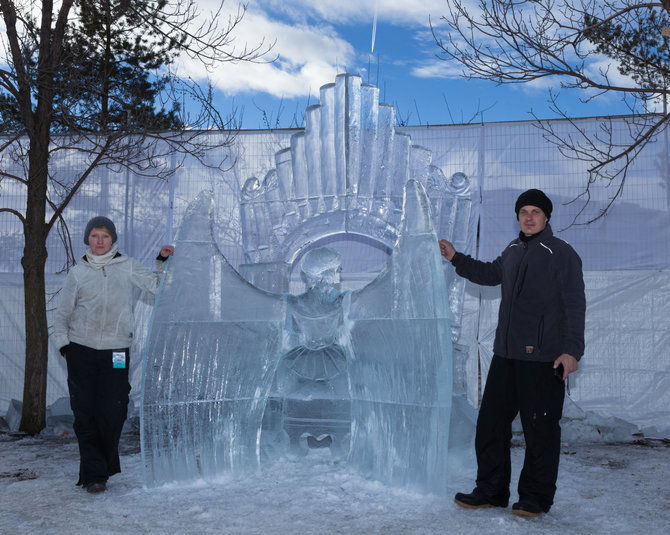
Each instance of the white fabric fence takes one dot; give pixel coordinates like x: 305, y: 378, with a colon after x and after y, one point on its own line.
x: 625, y: 372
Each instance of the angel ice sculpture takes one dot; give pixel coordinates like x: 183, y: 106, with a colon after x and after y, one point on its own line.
x: 238, y: 371
x: 309, y: 400
x: 222, y: 351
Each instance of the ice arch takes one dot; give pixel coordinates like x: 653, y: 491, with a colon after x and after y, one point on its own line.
x: 345, y: 174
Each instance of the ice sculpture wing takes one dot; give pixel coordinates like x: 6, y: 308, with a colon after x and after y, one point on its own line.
x: 208, y: 365
x: 401, y: 390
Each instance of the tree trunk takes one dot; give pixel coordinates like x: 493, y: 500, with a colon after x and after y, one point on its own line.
x: 33, y: 418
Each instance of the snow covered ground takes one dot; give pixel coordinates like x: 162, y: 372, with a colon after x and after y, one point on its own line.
x: 602, y: 488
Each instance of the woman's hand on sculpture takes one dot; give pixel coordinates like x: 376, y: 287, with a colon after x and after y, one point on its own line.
x: 167, y: 250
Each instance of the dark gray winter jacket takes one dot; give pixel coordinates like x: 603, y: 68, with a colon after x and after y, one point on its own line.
x: 543, y: 305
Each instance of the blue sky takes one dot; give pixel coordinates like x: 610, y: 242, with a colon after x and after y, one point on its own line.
x: 317, y: 39
x: 314, y: 40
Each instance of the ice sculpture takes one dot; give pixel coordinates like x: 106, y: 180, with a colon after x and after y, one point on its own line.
x: 369, y: 370
x: 238, y: 371
x: 345, y: 174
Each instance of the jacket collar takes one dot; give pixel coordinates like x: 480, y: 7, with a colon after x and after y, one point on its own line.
x: 544, y: 234
x: 117, y: 255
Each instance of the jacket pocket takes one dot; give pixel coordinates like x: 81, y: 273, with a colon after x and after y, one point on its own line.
x: 540, y: 332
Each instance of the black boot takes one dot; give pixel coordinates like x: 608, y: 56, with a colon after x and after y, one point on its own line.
x: 528, y: 507
x: 96, y: 486
x: 478, y: 500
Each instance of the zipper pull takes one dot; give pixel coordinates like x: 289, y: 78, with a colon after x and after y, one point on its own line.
x: 104, y: 273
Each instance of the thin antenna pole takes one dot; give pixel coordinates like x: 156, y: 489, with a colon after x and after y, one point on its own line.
x: 374, y: 28
x: 372, y: 43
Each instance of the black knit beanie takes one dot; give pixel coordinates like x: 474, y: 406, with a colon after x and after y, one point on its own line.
x: 534, y: 197
x: 100, y: 221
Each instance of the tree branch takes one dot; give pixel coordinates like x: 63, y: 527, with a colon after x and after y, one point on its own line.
x: 15, y: 212
x: 521, y: 41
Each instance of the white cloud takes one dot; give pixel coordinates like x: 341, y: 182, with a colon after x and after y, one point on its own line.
x: 307, y: 57
x: 399, y: 12
x: 438, y: 69
x: 271, y: 79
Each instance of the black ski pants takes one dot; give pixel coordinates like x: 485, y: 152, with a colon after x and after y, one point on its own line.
x: 532, y: 390
x: 99, y: 400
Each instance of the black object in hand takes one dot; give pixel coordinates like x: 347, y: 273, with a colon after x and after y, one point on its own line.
x: 558, y: 372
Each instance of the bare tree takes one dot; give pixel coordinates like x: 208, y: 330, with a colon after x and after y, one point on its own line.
x: 565, y: 41
x: 60, y: 109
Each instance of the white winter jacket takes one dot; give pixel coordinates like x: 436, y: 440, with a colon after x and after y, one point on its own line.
x: 96, y: 304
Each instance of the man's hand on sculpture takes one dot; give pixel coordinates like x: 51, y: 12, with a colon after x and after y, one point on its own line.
x: 447, y: 249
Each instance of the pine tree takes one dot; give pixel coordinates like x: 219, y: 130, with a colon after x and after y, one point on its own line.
x: 636, y: 43
x: 112, y: 71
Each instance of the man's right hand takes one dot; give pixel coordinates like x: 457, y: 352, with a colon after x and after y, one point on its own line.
x: 447, y: 249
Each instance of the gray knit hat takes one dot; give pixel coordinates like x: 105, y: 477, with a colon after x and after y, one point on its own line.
x: 100, y: 221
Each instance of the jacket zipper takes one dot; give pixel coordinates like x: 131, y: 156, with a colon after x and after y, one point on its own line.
x: 523, y: 279
x: 104, y: 291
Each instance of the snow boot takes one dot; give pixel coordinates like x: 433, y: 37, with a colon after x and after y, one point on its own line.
x: 96, y: 487
x: 528, y: 508
x: 477, y: 500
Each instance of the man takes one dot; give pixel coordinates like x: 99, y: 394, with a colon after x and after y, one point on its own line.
x: 539, y: 341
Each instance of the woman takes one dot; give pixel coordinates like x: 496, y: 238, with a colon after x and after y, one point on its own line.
x: 93, y: 329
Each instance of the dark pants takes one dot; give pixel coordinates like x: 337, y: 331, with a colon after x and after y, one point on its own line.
x: 531, y: 389
x: 99, y: 401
